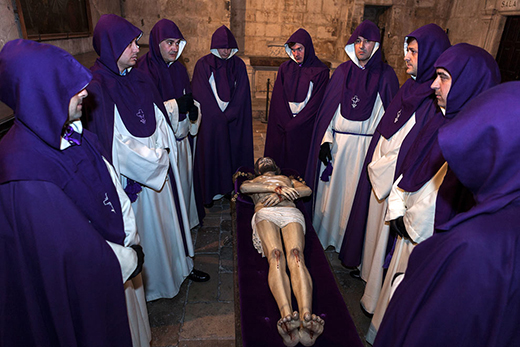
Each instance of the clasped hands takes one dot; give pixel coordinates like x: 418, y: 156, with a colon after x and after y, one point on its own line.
x: 280, y: 193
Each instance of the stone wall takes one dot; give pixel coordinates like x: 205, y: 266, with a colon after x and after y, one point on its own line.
x: 8, y: 28
x: 262, y: 27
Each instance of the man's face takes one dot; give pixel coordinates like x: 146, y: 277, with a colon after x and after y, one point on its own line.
x: 442, y: 86
x: 412, y: 57
x: 224, y: 52
x: 169, y: 49
x: 298, y: 51
x: 363, y: 49
x: 129, y: 56
x: 75, y: 105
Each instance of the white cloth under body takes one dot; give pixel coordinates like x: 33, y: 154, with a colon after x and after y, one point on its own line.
x: 146, y: 160
x: 280, y: 216
x: 350, y: 141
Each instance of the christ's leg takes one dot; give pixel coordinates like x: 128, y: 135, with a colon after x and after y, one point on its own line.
x: 279, y: 284
x: 312, y: 325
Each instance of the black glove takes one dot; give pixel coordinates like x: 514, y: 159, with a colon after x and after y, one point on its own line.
x: 185, y: 103
x: 140, y: 260
x: 397, y: 226
x: 194, y: 113
x: 325, y: 155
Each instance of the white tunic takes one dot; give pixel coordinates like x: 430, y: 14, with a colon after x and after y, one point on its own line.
x: 350, y: 141
x: 181, y: 129
x: 381, y: 173
x: 134, y: 288
x: 146, y: 160
x: 418, y: 211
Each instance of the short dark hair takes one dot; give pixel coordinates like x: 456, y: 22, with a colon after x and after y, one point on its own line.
x: 409, y: 39
x: 291, y: 44
x: 266, y: 164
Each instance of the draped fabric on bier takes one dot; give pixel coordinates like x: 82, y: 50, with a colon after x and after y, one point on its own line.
x: 258, y: 310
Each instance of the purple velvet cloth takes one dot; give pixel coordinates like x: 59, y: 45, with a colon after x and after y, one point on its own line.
x: 258, y: 309
x: 171, y: 80
x: 415, y: 96
x: 133, y: 93
x: 473, y: 70
x: 61, y: 281
x: 288, y: 138
x: 225, y: 139
x: 461, y: 286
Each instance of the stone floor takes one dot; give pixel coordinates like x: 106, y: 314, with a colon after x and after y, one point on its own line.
x: 202, y: 314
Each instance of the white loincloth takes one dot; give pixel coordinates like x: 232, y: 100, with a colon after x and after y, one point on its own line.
x: 280, y: 216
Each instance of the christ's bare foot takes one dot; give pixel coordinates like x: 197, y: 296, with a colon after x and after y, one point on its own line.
x: 288, y: 329
x: 312, y: 327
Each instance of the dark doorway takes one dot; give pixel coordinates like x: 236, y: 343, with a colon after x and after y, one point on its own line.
x: 508, y: 56
x: 379, y: 16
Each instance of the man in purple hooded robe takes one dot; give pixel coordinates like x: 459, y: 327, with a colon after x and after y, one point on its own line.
x: 410, y: 109
x: 463, y: 72
x: 358, y: 94
x: 297, y: 95
x: 128, y: 115
x: 461, y: 286
x: 171, y: 78
x: 225, y: 140
x: 68, y: 237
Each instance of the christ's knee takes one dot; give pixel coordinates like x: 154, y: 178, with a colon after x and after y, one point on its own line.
x: 295, y: 258
x: 275, y: 258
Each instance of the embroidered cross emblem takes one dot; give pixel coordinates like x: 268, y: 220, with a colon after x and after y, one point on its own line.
x: 398, y: 115
x: 355, y: 100
x: 106, y: 202
x: 140, y: 114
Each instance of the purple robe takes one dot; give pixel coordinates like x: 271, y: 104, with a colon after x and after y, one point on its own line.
x: 171, y: 80
x: 461, y: 286
x: 133, y: 93
x: 473, y: 70
x: 288, y: 137
x: 225, y: 139
x: 350, y: 80
x: 415, y: 96
x: 61, y: 281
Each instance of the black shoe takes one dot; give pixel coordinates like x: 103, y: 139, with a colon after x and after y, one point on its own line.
x: 198, y: 276
x: 355, y: 274
x: 210, y: 205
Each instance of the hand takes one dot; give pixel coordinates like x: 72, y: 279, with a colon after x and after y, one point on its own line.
x: 194, y: 113
x: 271, y: 200
x: 324, y: 154
x: 140, y: 260
x: 397, y: 226
x: 185, y: 103
x: 287, y: 192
